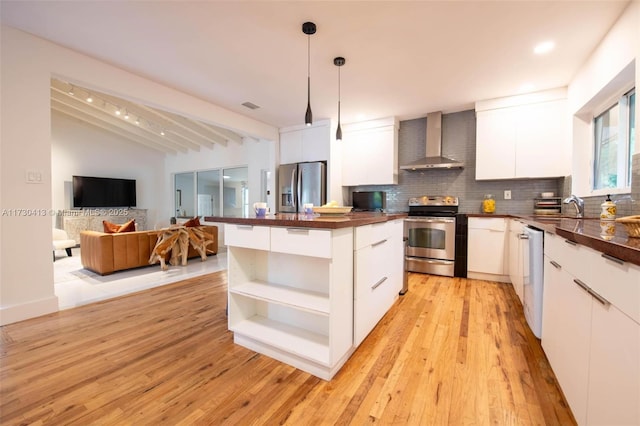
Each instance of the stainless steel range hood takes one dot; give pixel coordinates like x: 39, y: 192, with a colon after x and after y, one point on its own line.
x: 434, y: 158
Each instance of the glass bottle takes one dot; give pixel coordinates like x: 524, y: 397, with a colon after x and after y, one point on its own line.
x: 488, y: 204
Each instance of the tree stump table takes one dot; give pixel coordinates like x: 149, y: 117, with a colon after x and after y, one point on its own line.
x: 177, y: 240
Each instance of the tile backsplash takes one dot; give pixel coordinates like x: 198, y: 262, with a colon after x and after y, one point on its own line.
x: 459, y: 143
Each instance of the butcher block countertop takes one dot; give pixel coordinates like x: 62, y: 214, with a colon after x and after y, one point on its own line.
x: 607, y: 237
x: 310, y: 221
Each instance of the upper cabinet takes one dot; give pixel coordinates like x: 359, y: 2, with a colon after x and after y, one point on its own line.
x: 524, y: 136
x: 298, y: 144
x: 370, y: 153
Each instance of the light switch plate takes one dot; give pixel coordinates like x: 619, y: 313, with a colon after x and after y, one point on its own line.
x: 33, y: 176
x: 507, y: 194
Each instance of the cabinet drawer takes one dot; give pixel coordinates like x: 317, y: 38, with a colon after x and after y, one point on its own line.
x: 617, y: 282
x: 247, y: 236
x: 572, y: 257
x: 372, y: 234
x: 493, y: 224
x: 302, y: 241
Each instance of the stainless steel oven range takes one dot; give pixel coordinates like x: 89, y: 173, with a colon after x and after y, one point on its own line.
x: 430, y: 235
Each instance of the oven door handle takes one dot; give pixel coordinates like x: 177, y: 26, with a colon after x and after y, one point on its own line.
x: 432, y: 220
x: 430, y: 261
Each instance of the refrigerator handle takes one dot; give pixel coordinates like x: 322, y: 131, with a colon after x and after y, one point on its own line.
x: 293, y: 182
x: 299, y: 190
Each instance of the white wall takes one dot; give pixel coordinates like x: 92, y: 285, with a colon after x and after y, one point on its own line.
x: 77, y: 148
x: 611, y: 69
x: 27, y: 64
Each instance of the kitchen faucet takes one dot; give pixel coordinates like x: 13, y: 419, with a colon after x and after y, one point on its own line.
x: 577, y: 202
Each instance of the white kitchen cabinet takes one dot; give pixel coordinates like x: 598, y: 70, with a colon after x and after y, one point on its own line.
x: 592, y: 345
x: 378, y: 274
x: 486, y: 250
x: 516, y: 256
x: 299, y: 144
x: 370, y: 153
x: 515, y: 139
x: 291, y: 298
x: 495, y: 144
x: 614, y: 367
x: 566, y: 335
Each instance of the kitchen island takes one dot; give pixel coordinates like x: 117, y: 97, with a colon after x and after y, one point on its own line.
x: 307, y: 289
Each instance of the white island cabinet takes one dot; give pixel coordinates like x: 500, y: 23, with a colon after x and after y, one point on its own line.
x: 378, y: 273
x: 291, y: 294
x: 292, y: 286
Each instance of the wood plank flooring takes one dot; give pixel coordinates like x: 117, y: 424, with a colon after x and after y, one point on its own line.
x: 451, y: 351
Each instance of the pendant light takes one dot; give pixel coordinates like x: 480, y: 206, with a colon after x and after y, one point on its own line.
x: 339, y: 61
x: 308, y: 28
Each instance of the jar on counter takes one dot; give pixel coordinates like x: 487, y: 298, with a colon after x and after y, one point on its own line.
x: 488, y: 204
x: 608, y: 209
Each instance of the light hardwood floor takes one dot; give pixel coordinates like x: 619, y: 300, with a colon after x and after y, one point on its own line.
x: 450, y: 352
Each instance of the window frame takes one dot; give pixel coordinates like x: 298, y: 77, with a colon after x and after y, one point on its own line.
x: 624, y: 158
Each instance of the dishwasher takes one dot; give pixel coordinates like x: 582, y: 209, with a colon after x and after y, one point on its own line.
x: 533, y: 282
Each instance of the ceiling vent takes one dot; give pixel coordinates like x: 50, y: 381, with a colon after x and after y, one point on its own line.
x: 250, y: 105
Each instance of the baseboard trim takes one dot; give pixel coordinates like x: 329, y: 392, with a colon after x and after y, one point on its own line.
x: 32, y: 309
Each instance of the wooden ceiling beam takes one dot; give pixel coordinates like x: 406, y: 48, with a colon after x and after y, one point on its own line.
x: 85, y: 118
x: 140, y: 131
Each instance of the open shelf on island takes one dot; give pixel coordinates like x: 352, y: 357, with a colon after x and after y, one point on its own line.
x: 317, y: 303
x: 297, y: 341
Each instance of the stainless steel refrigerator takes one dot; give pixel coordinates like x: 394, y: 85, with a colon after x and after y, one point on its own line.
x: 301, y: 183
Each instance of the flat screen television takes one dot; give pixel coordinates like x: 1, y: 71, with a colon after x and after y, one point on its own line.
x: 103, y: 192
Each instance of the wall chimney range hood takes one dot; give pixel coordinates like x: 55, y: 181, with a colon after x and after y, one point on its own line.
x: 434, y: 158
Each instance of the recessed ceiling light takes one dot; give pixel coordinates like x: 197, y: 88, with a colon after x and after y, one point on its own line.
x: 544, y: 47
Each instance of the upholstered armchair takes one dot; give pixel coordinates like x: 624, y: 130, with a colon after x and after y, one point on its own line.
x: 61, y: 241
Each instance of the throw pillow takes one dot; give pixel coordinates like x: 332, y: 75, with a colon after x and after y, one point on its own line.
x: 128, y: 227
x: 110, y: 228
x: 114, y: 228
x: 192, y: 222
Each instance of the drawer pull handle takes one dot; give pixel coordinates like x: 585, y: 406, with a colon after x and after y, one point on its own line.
x: 571, y: 242
x: 297, y: 231
x: 599, y: 298
x: 523, y: 236
x: 555, y: 264
x: 613, y: 259
x: 379, y: 242
x: 378, y: 284
x: 244, y: 226
x: 583, y: 285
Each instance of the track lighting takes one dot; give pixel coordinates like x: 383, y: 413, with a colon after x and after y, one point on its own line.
x: 308, y: 28
x: 71, y: 91
x: 339, y: 61
x: 126, y: 114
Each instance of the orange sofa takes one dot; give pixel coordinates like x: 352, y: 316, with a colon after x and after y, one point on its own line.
x: 106, y: 253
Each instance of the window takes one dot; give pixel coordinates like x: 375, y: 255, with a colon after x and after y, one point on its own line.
x: 218, y: 192
x: 614, y: 144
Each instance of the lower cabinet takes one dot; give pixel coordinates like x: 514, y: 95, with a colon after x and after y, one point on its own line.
x: 291, y: 294
x: 486, y: 253
x: 592, y: 343
x: 377, y: 274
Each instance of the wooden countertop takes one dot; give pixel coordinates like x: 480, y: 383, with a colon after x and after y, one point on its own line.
x: 607, y: 237
x: 310, y: 221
